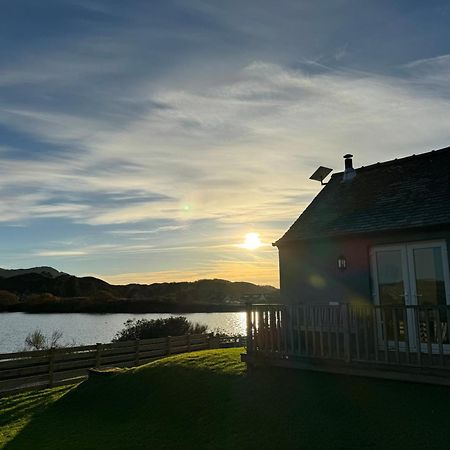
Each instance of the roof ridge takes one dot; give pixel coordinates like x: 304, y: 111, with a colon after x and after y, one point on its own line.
x: 397, y: 160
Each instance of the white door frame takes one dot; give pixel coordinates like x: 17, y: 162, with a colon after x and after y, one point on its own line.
x: 410, y: 289
x: 413, y: 287
x: 406, y: 292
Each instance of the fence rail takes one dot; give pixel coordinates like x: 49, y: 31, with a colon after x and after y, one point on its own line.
x: 47, y: 368
x: 409, y: 339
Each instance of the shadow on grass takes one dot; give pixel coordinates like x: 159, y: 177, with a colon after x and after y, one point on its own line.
x: 206, y: 401
x: 16, y: 410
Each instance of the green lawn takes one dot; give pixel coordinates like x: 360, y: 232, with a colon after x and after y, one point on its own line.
x: 205, y: 400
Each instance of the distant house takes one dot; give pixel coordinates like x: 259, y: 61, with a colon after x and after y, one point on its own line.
x: 376, y: 234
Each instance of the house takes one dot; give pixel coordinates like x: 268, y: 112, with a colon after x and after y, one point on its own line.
x: 376, y: 234
x: 364, y: 276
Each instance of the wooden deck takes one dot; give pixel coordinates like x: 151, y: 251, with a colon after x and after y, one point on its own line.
x: 398, y: 342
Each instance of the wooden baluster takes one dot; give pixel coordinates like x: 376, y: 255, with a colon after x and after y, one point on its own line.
x: 253, y: 331
x: 291, y: 327
x: 447, y: 308
x: 270, y: 329
x: 385, y: 334
x: 266, y: 330
x: 322, y: 354
x: 248, y: 307
x: 313, y: 311
x: 439, y: 335
x: 375, y: 332
x: 306, y: 311
x: 285, y: 328
x: 338, y: 331
x: 366, y: 312
x: 260, y: 330
x: 299, y: 337
x: 278, y: 320
x: 357, y: 330
x: 418, y: 340
x: 330, y: 325
x: 346, y: 326
x: 406, y: 328
x: 429, y: 343
x: 396, y: 338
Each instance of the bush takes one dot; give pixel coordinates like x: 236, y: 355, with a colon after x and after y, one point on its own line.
x: 156, y: 328
x: 41, y: 299
x: 8, y: 298
x: 37, y: 340
x: 103, y: 296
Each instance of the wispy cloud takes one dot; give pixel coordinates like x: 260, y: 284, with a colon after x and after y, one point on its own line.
x: 57, y: 253
x: 223, y: 144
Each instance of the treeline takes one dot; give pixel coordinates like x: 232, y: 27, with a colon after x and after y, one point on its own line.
x: 66, y: 293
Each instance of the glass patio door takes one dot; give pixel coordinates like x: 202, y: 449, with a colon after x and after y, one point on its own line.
x: 430, y: 291
x: 414, y: 275
x: 391, y: 291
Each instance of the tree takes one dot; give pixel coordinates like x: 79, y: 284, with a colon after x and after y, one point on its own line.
x: 156, y: 328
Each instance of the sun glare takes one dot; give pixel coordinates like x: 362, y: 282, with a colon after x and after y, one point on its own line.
x: 252, y: 241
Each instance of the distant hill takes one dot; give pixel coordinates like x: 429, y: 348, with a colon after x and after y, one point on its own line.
x: 44, y: 270
x: 34, y: 282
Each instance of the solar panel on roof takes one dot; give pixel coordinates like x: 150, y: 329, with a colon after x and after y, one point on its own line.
x: 320, y: 174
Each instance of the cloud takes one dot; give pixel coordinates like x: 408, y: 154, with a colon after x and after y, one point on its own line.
x: 57, y: 253
x: 234, y: 152
x: 134, y: 232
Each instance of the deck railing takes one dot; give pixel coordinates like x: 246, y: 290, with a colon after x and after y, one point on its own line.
x: 395, y: 335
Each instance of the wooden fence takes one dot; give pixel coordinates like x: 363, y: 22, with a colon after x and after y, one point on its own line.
x: 46, y: 368
x: 396, y: 341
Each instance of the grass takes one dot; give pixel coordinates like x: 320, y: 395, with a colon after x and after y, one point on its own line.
x: 205, y: 400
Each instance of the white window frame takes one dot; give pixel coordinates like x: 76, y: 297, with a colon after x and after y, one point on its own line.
x: 408, y: 270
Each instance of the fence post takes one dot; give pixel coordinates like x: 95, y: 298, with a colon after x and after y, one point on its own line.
x: 188, y: 342
x: 213, y: 342
x: 51, y: 363
x: 169, y: 345
x: 98, y: 355
x: 346, y: 323
x: 136, y: 351
x: 248, y: 307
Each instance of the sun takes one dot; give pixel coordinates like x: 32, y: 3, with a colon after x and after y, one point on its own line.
x: 252, y: 241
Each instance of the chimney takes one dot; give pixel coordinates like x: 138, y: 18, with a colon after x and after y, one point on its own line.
x: 349, y: 172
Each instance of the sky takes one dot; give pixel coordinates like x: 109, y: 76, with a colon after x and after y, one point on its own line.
x: 140, y: 141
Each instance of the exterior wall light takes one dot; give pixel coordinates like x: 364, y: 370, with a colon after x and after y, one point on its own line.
x: 342, y: 263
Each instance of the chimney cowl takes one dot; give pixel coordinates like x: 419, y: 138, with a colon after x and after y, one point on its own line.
x: 349, y: 172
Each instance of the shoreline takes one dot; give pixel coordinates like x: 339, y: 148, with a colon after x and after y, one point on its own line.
x: 127, y: 306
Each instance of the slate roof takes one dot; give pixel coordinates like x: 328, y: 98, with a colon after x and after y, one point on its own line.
x: 405, y: 193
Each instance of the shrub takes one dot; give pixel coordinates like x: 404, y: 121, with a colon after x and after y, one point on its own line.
x: 103, y: 296
x: 40, y: 299
x: 8, y: 298
x: 156, y: 328
x: 37, y: 340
